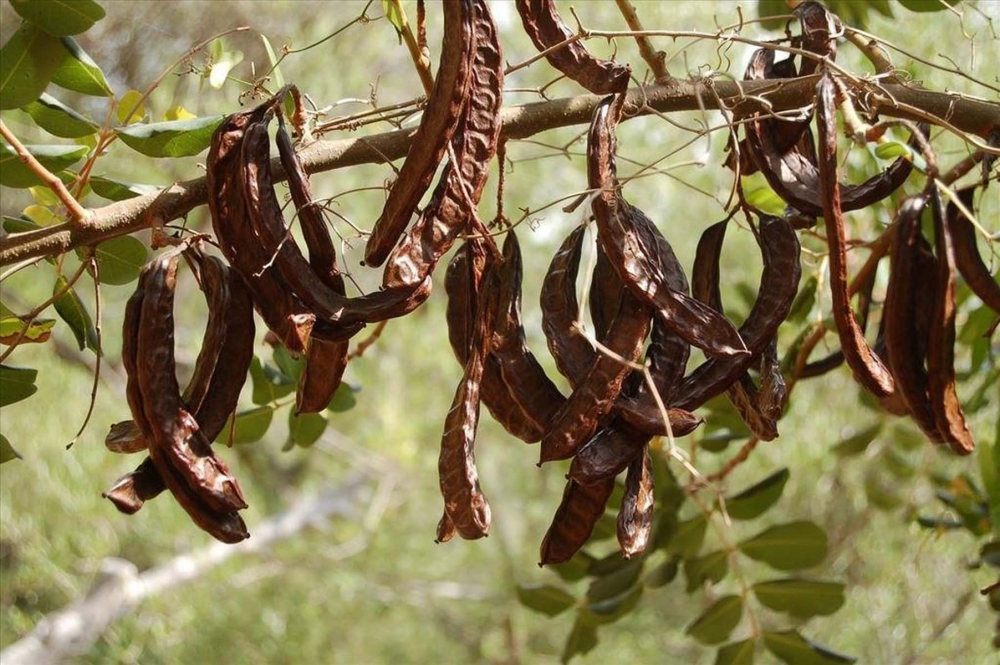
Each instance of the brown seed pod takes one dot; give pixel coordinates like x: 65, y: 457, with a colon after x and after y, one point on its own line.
x: 820, y: 29
x: 635, y: 516
x: 948, y: 412
x: 546, y: 29
x: 133, y: 489
x: 967, y: 259
x: 125, y: 437
x: 439, y: 122
x: 574, y: 521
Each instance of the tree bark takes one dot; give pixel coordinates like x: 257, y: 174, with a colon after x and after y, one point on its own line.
x: 124, y: 217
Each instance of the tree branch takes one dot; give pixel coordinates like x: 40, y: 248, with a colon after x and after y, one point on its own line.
x: 124, y: 217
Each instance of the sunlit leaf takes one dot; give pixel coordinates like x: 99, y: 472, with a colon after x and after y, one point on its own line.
x: 788, y: 546
x: 71, y: 309
x: 11, y: 328
x: 28, y: 61
x: 717, y: 622
x: 131, y: 107
x: 222, y: 66
x: 790, y: 647
x: 753, y: 501
x: 16, y: 384
x: 40, y: 215
x: 736, y: 653
x: 13, y: 173
x: 58, y: 119
x: 120, y: 260
x: 397, y: 18
x: 178, y: 113
x: 800, y: 598
x: 177, y: 138
x: 272, y: 59
x: 78, y: 72
x: 545, y: 598
x: 60, y: 17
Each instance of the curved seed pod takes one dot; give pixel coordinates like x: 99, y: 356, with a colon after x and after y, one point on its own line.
x: 125, y: 437
x: 460, y: 287
x: 902, y: 340
x: 635, y: 516
x: 570, y: 350
x: 819, y: 31
x: 445, y: 529
x: 574, y: 521
x: 546, y: 29
x: 773, y: 394
x: 633, y: 255
x: 176, y: 439
x: 439, y: 122
x: 794, y: 175
x: 778, y: 286
x: 135, y: 488
x: 967, y: 259
x: 463, y: 499
x: 867, y: 368
x: 215, y: 286
x: 281, y: 310
x: 941, y: 344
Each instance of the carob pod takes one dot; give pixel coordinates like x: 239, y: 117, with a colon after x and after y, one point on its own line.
x: 465, y: 504
x: 967, y: 259
x: 546, y: 29
x: 635, y: 516
x: 902, y: 339
x: 948, y: 412
x: 633, y: 255
x: 574, y: 521
x: 794, y: 176
x: 136, y: 487
x: 439, y: 122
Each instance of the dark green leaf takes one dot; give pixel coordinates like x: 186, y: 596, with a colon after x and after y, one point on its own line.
x: 176, y: 138
x: 576, y: 568
x: 989, y: 471
x: 251, y: 425
x: 794, y: 649
x: 736, y: 653
x: 19, y: 225
x: 343, y: 399
x: 611, y: 563
x: 990, y: 553
x: 16, y: 383
x: 119, y: 191
x: 615, y: 583
x: 859, y: 442
x: 753, y: 501
x: 718, y: 440
x: 939, y: 523
x: 78, y: 72
x: 120, y: 260
x: 614, y: 608
x: 927, y: 5
x: 804, y: 300
x: 688, y: 537
x: 27, y: 63
x: 663, y: 574
x: 800, y: 598
x: 7, y: 452
x: 880, y: 496
x: 71, y: 309
x: 717, y: 622
x: 305, y: 429
x: 58, y: 119
x: 545, y: 598
x: 711, y: 567
x: 268, y: 383
x: 13, y: 173
x: 60, y: 17
x: 769, y: 8
x: 605, y: 528
x: 581, y: 641
x: 788, y: 546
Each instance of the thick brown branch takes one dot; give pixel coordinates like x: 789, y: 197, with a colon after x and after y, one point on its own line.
x: 976, y: 117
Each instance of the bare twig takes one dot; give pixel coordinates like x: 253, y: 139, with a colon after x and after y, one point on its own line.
x: 655, y: 59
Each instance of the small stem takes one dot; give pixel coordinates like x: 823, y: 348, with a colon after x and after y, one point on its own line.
x: 655, y: 59
x: 876, y: 55
x: 363, y: 345
x: 78, y: 215
x: 420, y: 61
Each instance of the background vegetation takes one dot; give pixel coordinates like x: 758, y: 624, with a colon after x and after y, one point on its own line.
x: 373, y: 587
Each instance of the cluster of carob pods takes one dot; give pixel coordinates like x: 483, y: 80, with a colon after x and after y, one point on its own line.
x: 639, y: 290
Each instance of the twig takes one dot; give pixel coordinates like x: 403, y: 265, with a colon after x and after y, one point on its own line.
x: 420, y: 60
x: 655, y: 59
x: 78, y: 215
x: 95, y: 271
x: 363, y: 345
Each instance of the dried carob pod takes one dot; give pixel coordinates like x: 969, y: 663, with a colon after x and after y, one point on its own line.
x: 635, y: 516
x: 947, y: 408
x: 439, y: 122
x: 634, y: 255
x: 546, y: 29
x: 967, y: 259
x: 465, y: 504
x: 574, y: 521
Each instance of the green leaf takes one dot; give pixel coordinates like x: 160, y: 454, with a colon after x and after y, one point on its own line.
x: 989, y: 470
x: 576, y: 568
x: 928, y: 5
x: 268, y: 383
x: 291, y: 365
x: 753, y: 501
x: 18, y: 225
x: 343, y: 399
x: 990, y: 553
x: 304, y: 430
x: 794, y: 649
x: 7, y: 452
x: 891, y: 150
x: 768, y: 8
x: 663, y: 574
x: 177, y: 138
x: 615, y: 583
x: 27, y: 62
x: 131, y: 107
x: 859, y: 442
x: 40, y: 215
x: 545, y: 598
x: 581, y: 641
x: 116, y: 190
x: 880, y: 496
x: 766, y: 199
x: 78, y: 72
x: 120, y: 260
x: 221, y: 67
x: 272, y: 59
x: 13, y: 173
x: 711, y: 567
x: 800, y: 598
x: 71, y: 309
x: 688, y: 537
x: 715, y: 623
x: 736, y: 653
x: 397, y: 17
x: 606, y: 527
x: 16, y: 383
x: 251, y: 425
x: 60, y: 17
x: 58, y: 119
x: 788, y: 546
x: 11, y: 326
x: 614, y: 608
x: 804, y: 300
